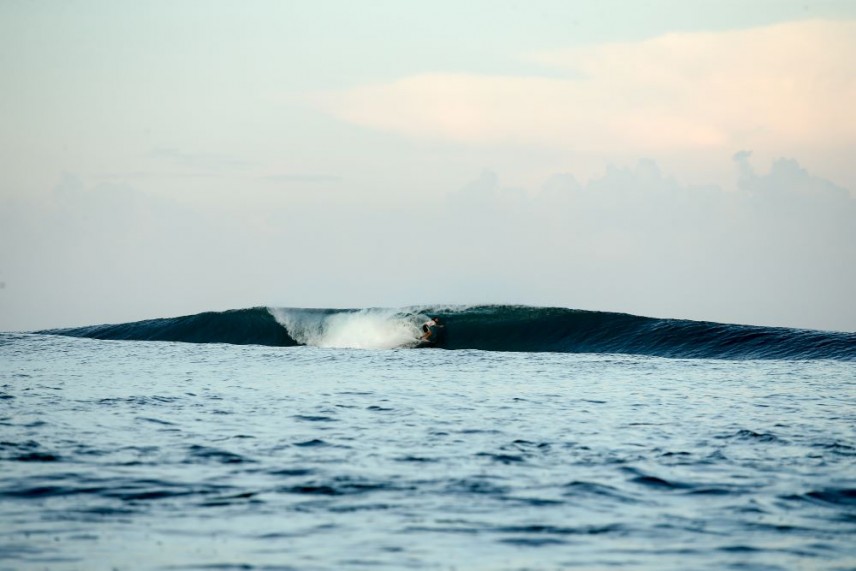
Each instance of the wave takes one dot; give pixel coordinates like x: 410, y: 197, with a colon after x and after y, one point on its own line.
x: 489, y: 327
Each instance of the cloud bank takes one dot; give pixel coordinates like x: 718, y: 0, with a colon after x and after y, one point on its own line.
x: 784, y: 86
x: 778, y: 251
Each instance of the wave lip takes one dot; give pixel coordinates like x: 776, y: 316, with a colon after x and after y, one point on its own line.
x: 487, y: 327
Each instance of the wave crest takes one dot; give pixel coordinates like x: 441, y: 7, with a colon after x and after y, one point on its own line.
x: 489, y: 327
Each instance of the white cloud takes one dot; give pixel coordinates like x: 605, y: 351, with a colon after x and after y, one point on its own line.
x: 779, y: 87
x: 634, y: 239
x: 778, y: 251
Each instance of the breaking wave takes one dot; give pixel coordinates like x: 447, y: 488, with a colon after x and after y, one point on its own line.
x: 489, y: 327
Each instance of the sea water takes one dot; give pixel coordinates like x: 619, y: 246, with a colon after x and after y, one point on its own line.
x: 170, y: 455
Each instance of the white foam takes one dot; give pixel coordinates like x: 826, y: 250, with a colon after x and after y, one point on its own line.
x: 360, y: 329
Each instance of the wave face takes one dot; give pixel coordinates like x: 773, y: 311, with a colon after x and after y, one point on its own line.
x: 239, y: 326
x: 491, y: 328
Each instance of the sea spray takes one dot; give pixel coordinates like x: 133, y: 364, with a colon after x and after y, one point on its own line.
x: 360, y: 329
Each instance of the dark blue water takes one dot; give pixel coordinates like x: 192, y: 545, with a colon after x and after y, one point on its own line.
x: 167, y: 455
x: 487, y: 327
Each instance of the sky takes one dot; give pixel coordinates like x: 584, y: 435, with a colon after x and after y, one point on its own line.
x: 664, y: 158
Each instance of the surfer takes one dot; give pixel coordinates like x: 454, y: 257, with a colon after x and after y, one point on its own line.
x: 432, y: 331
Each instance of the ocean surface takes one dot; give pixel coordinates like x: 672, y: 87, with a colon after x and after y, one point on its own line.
x: 531, y: 438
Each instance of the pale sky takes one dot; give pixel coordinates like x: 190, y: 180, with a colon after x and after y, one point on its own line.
x: 672, y: 158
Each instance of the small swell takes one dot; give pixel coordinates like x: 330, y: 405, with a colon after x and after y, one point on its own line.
x: 197, y: 454
x: 831, y: 496
x: 28, y: 451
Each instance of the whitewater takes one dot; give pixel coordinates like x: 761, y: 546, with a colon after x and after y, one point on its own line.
x: 532, y: 438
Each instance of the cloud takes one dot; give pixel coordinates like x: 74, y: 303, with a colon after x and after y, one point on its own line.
x: 199, y: 161
x: 302, y: 178
x: 775, y: 251
x: 772, y: 87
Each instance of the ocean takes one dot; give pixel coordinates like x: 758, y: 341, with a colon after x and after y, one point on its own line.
x: 527, y: 438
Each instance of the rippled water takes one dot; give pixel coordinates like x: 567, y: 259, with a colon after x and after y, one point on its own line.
x: 145, y: 455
